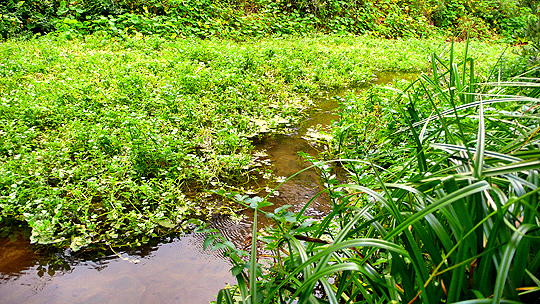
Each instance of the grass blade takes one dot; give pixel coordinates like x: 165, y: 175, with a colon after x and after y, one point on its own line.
x: 506, y: 261
x: 480, y: 144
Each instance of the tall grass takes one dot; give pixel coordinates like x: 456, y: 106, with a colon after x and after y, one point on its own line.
x: 451, y: 214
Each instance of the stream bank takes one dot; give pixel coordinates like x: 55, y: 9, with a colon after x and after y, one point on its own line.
x: 177, y: 270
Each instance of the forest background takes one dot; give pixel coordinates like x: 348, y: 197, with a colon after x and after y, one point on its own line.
x: 239, y: 18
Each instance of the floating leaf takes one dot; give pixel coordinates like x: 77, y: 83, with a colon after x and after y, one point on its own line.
x: 166, y: 223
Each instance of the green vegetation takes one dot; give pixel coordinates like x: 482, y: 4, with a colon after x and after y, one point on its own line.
x: 116, y: 117
x: 101, y: 140
x: 241, y: 18
x: 441, y: 204
x: 531, y: 32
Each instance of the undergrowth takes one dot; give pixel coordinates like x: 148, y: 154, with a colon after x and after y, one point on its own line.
x: 111, y: 141
x: 247, y: 18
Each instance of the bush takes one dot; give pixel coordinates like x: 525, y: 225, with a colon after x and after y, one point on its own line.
x: 234, y: 18
x: 531, y: 32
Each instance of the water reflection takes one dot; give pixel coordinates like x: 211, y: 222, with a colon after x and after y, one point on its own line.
x: 16, y: 255
x: 175, y: 272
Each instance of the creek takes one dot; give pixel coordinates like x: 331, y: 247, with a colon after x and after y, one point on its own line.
x: 174, y: 270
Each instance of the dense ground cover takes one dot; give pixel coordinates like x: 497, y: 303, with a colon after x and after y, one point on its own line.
x: 112, y: 138
x: 102, y: 139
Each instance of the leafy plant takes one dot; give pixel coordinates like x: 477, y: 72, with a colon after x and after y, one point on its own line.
x: 454, y: 218
x: 532, y: 33
x: 238, y: 19
x: 123, y: 151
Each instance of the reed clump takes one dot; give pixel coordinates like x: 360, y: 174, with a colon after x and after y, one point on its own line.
x: 443, y: 209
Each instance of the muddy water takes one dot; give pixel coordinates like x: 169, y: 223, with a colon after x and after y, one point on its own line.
x: 173, y: 271
x: 176, y: 272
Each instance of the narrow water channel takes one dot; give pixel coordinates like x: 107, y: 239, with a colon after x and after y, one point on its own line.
x: 177, y: 271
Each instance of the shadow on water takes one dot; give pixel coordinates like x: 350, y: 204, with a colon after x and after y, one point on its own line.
x: 178, y: 271
x: 169, y: 270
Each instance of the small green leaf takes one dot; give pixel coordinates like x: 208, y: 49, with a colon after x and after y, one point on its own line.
x: 236, y: 270
x: 278, y: 210
x: 166, y: 223
x: 208, y: 241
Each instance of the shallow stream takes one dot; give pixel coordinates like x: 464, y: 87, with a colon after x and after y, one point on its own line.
x: 178, y: 271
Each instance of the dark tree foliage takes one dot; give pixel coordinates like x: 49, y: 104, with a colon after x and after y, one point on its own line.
x: 239, y: 18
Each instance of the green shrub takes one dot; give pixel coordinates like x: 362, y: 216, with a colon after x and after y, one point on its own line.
x: 531, y: 32
x: 237, y: 19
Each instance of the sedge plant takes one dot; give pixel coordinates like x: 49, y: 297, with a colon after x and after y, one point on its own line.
x: 453, y: 218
